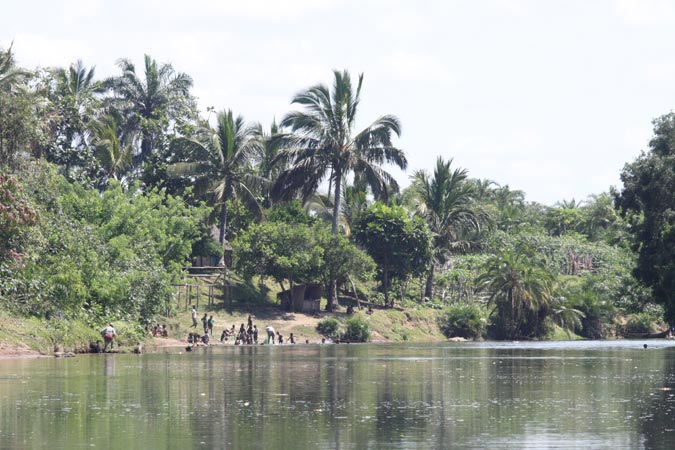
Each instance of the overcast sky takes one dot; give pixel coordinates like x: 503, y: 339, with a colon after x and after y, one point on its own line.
x: 551, y: 97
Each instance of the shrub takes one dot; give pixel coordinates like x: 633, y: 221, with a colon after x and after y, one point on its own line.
x: 356, y: 330
x: 328, y: 327
x: 463, y: 321
x: 642, y: 323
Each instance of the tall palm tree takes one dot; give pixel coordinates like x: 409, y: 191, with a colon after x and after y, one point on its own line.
x: 148, y: 101
x: 220, y: 161
x: 446, y: 203
x: 323, y: 144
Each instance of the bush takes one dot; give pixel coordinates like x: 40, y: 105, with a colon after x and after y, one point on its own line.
x: 328, y: 328
x: 463, y: 321
x: 642, y: 323
x: 356, y: 330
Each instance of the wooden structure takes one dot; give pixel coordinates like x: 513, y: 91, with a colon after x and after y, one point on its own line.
x: 200, y: 278
x: 306, y: 298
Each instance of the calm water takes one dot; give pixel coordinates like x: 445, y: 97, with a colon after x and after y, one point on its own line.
x: 544, y: 395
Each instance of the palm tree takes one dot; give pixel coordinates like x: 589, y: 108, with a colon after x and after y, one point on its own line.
x: 113, y: 153
x: 446, y: 203
x: 75, y: 102
x: 323, y: 145
x: 10, y: 75
x: 220, y: 161
x: 267, y: 163
x: 519, y: 287
x: 147, y: 102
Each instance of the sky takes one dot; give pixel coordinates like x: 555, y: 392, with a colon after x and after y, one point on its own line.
x: 549, y: 97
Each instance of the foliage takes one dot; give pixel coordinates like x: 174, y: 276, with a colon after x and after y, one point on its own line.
x: 16, y: 215
x: 218, y: 161
x: 323, y: 144
x: 520, y: 288
x: 114, y: 255
x: 298, y: 253
x: 647, y: 202
x: 446, y: 203
x: 356, y: 329
x: 642, y: 323
x: 285, y: 252
x: 289, y: 212
x: 399, y: 245
x: 463, y: 320
x: 328, y: 327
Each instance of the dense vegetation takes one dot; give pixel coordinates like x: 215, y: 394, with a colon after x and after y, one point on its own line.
x: 109, y: 187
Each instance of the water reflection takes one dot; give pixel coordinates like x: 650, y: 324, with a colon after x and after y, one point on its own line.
x: 544, y: 395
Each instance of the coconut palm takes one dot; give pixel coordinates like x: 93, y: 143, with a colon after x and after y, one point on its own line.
x: 220, y: 162
x: 323, y: 145
x: 446, y: 203
x: 147, y: 102
x: 519, y: 287
x: 113, y: 152
x: 11, y: 76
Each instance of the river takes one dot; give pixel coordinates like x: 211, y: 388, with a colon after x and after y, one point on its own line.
x: 582, y: 394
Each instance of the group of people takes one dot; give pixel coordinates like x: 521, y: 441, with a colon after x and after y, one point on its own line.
x: 160, y: 331
x: 247, y: 334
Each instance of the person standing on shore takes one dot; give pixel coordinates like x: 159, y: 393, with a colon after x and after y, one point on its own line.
x: 194, y: 317
x: 255, y: 334
x: 108, y: 334
x: 210, y: 325
x: 205, y: 319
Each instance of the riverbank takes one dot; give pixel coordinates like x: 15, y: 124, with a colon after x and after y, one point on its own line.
x: 31, y: 337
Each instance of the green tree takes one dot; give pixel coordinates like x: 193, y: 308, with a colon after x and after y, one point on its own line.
x: 283, y: 251
x: 520, y: 288
x: 112, y: 152
x: 648, y: 204
x: 11, y: 76
x: 323, y: 144
x: 446, y: 203
x: 21, y: 129
x: 220, y: 162
x: 150, y: 103
x: 75, y: 102
x: 399, y: 245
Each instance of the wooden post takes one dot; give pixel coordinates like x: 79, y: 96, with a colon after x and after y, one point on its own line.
x: 189, y: 292
x: 198, y: 286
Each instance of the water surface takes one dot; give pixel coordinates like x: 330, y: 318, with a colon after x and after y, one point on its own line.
x: 381, y: 396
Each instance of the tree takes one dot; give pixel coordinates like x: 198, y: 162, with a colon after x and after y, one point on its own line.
x: 399, y: 245
x: 112, y: 152
x: 521, y: 289
x: 323, y: 144
x: 648, y: 204
x: 566, y: 217
x: 446, y: 203
x: 11, y: 77
x: 73, y: 96
x: 219, y: 161
x: 150, y: 104
x: 20, y: 126
x: 283, y: 251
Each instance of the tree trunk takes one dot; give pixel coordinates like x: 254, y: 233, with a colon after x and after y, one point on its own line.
x: 385, y: 283
x: 332, y: 285
x: 223, y: 225
x: 429, y: 289
x: 337, y: 197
